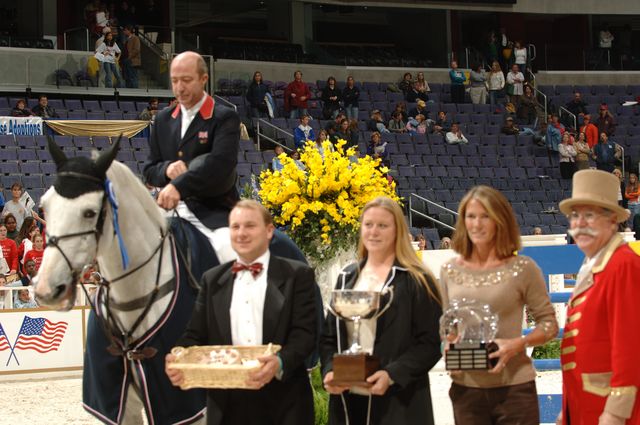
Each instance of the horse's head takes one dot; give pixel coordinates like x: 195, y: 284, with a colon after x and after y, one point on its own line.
x: 74, y: 209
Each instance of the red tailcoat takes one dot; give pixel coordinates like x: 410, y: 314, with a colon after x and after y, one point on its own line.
x: 601, y: 344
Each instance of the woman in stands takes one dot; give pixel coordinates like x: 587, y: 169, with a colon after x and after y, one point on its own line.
x: 9, y: 250
x: 331, y: 99
x: 296, y: 96
x: 36, y: 253
x: 21, y: 110
x: 567, y: 156
x: 422, y: 86
x: 405, y: 338
x: 489, y: 271
x: 255, y: 96
x: 350, y: 96
x: 495, y: 83
x: 108, y: 53
x: 478, y: 81
x: 583, y: 152
x: 528, y: 106
x: 632, y: 194
x: 322, y: 137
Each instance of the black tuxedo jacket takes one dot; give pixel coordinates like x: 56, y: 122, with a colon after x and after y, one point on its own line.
x: 210, y: 150
x: 289, y: 320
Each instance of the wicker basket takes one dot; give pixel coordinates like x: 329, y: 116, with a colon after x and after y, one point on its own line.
x: 199, y: 375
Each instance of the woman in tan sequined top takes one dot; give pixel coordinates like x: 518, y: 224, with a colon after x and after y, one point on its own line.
x: 489, y: 271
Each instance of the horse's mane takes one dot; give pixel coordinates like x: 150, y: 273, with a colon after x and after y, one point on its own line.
x: 122, y: 177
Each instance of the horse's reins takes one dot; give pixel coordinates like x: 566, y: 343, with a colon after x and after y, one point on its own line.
x: 111, y: 325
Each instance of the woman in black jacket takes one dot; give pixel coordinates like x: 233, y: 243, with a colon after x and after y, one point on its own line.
x: 350, y: 96
x: 255, y: 96
x: 405, y: 337
x: 331, y: 99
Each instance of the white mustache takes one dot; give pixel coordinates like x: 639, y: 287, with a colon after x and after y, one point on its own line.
x: 583, y: 231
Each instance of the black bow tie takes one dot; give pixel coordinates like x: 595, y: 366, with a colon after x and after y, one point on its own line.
x: 254, y: 268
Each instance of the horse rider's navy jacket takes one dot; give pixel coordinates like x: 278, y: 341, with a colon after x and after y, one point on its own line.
x: 208, y: 187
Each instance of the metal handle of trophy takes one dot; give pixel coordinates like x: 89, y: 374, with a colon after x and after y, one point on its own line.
x: 388, y: 289
x: 335, y: 313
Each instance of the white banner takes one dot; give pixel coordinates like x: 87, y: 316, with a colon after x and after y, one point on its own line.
x: 21, y: 126
x: 39, y: 340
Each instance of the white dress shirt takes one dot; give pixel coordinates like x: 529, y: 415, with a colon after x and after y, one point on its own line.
x: 247, y: 304
x: 189, y: 114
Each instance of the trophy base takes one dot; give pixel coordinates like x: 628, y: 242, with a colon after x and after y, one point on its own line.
x: 470, y: 356
x: 354, y: 369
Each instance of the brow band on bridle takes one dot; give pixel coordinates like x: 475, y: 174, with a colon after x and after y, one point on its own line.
x: 77, y: 175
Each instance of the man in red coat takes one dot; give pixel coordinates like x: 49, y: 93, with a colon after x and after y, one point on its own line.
x: 295, y: 97
x: 600, y: 347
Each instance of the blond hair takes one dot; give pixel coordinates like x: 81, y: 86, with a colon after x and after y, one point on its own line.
x: 252, y: 204
x: 404, y: 252
x: 507, y: 237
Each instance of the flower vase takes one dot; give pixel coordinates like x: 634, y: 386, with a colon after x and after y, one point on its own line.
x: 327, y: 272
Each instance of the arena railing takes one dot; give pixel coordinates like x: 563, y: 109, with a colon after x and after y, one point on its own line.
x: 262, y: 124
x: 413, y: 211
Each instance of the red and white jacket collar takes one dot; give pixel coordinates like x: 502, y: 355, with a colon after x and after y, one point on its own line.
x: 206, y: 110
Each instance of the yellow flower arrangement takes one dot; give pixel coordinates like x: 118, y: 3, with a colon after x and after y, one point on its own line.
x: 320, y: 205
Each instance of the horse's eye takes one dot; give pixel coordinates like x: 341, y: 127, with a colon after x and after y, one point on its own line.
x: 89, y: 214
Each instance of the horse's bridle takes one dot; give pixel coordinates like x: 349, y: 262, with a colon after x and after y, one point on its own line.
x: 110, y: 324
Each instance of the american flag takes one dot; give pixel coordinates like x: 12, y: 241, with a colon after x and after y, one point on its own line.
x: 4, y: 342
x: 40, y: 334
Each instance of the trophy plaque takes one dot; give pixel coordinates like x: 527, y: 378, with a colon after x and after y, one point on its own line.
x: 353, y: 366
x: 469, y: 328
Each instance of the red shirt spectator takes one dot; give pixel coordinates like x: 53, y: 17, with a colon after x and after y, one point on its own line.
x: 9, y: 250
x: 35, y: 254
x: 590, y: 131
x: 297, y: 93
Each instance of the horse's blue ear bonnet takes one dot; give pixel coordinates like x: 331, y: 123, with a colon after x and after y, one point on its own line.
x: 79, y: 175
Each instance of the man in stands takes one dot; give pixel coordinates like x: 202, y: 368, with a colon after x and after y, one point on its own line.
x: 42, y: 109
x: 455, y: 136
x: 130, y: 57
x: 599, y: 355
x: 577, y: 107
x: 421, y: 108
x: 509, y: 128
x: 606, y: 123
x: 149, y: 113
x: 258, y: 299
x: 605, y: 154
x: 194, y: 153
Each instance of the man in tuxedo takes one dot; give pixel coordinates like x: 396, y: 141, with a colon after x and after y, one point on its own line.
x: 258, y: 299
x: 194, y: 153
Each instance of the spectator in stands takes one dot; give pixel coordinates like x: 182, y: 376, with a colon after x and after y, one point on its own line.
x: 567, y: 156
x: 354, y: 133
x: 149, y: 113
x: 295, y: 155
x: 350, y: 96
x: 322, y: 137
x: 632, y: 195
x: 1, y: 199
x: 590, y: 131
x: 622, y: 188
x: 457, y: 83
x: 333, y: 125
x: 276, y: 165
x: 604, y: 153
x: 29, y: 274
x: 406, y: 83
x: 101, y: 17
x: 100, y: 39
x: 344, y: 133
x: 396, y: 125
x: 401, y: 107
x: 445, y: 243
x: 107, y: 54
x: 478, y: 81
x: 442, y: 124
x: 42, y: 109
x: 21, y: 110
x: 376, y: 123
x: 303, y: 132
x: 455, y: 136
x: 583, y: 152
x: 515, y: 85
x: 422, y: 86
x: 421, y: 108
x: 24, y: 300
x: 131, y: 60
x: 422, y: 242
x: 256, y: 97
x: 509, y: 127
x: 577, y: 107
x: 417, y: 125
x: 487, y: 239
x: 9, y: 250
x: 528, y: 107
x: 413, y: 95
x: 376, y: 148
x: 606, y: 123
x: 520, y: 56
x: 330, y: 99
x: 26, y: 232
x: 555, y: 130
x: 296, y: 96
x: 12, y: 226
x: 36, y: 253
x: 16, y: 208
x: 537, y: 231
x: 496, y: 83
